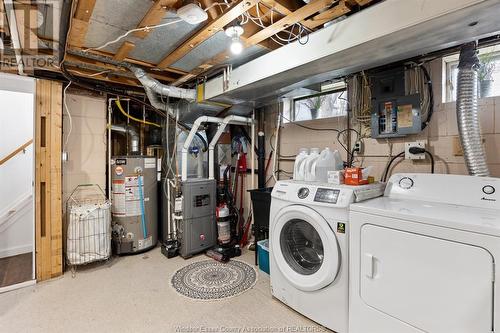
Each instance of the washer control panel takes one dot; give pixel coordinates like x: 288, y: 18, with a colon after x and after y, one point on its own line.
x: 324, y: 194
x: 327, y: 195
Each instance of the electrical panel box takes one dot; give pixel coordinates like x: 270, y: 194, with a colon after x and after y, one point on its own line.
x: 394, y: 114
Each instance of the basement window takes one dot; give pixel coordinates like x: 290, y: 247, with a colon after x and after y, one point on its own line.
x: 324, y: 105
x: 489, y: 74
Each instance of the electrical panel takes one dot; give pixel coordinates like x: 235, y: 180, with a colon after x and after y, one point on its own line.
x: 394, y: 114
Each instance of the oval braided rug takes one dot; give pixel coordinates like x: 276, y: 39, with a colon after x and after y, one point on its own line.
x: 212, y: 280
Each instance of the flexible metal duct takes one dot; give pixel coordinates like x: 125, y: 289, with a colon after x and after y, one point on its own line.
x: 133, y: 136
x: 467, y: 111
x: 161, y: 89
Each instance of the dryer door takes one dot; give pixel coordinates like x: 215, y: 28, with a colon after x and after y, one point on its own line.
x: 305, y: 248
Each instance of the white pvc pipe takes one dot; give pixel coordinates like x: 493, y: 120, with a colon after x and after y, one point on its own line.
x: 252, y: 164
x: 276, y: 142
x: 189, y: 140
x: 211, y: 148
x: 110, y: 115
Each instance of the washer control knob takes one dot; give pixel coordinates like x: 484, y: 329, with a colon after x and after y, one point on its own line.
x: 406, y: 183
x: 303, y: 192
x: 488, y: 189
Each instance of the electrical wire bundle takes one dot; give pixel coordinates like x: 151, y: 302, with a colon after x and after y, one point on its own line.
x: 418, y: 81
x: 292, y: 35
x: 360, y: 95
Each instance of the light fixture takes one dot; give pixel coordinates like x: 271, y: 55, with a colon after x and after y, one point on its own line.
x: 192, y: 13
x: 234, y: 32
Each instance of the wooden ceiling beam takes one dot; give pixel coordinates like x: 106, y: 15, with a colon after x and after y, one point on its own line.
x: 123, y: 51
x: 103, y: 77
x: 105, y: 66
x: 361, y: 2
x: 284, y: 7
x: 134, y: 61
x: 331, y: 14
x: 262, y: 35
x: 300, y: 14
x: 210, y: 29
x: 80, y: 22
x: 155, y: 14
x: 84, y: 9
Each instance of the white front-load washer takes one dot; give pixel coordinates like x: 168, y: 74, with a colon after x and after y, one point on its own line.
x: 424, y: 258
x: 308, y: 247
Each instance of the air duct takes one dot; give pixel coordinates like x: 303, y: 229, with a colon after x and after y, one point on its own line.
x: 133, y: 136
x: 467, y: 111
x: 157, y: 87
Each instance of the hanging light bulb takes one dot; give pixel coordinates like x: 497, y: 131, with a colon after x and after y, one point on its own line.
x: 234, y: 32
x: 236, y: 45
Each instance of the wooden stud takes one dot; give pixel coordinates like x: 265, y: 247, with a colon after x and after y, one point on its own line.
x: 48, y: 177
x: 124, y: 50
x: 230, y: 14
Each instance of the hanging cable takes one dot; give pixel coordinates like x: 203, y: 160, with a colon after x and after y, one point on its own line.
x: 70, y: 119
x: 147, y: 28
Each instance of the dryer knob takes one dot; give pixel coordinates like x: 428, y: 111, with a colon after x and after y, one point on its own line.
x: 488, y: 190
x: 406, y: 183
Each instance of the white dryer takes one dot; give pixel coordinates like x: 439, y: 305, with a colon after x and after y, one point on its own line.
x: 308, y: 245
x: 423, y: 256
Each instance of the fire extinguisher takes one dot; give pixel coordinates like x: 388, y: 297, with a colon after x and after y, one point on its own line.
x: 223, y: 224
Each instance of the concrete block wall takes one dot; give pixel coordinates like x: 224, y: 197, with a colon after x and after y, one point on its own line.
x: 441, y: 136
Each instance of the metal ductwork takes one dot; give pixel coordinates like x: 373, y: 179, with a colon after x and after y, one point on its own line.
x: 132, y: 134
x: 469, y: 127
x: 161, y: 89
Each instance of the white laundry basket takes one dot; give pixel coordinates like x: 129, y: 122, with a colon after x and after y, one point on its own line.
x: 88, y: 226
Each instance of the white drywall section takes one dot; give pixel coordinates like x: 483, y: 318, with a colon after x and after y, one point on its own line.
x: 86, y: 143
x: 17, y: 174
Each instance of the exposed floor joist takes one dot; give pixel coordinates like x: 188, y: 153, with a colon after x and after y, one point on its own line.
x: 311, y: 8
x: 230, y: 14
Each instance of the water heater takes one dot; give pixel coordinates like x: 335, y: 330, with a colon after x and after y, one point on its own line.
x: 134, y: 203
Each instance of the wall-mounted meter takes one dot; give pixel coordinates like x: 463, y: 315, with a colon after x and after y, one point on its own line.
x: 394, y: 114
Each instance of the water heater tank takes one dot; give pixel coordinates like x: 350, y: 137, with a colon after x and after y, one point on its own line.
x: 134, y: 203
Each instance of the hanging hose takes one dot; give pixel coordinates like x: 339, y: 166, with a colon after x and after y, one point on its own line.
x: 118, y: 104
x: 467, y: 111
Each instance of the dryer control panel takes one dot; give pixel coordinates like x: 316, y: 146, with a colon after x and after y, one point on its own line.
x: 480, y: 192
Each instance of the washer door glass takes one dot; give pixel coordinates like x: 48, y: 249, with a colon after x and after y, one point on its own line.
x: 302, y: 247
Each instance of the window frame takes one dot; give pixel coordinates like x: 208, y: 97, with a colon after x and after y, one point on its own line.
x: 292, y: 111
x: 451, y: 61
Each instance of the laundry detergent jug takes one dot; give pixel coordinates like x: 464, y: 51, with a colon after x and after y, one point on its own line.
x: 327, y: 161
x: 299, y: 160
x: 309, y: 173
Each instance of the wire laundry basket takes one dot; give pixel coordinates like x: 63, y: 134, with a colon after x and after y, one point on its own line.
x: 89, y: 225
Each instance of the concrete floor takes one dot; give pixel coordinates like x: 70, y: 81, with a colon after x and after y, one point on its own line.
x: 133, y: 294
